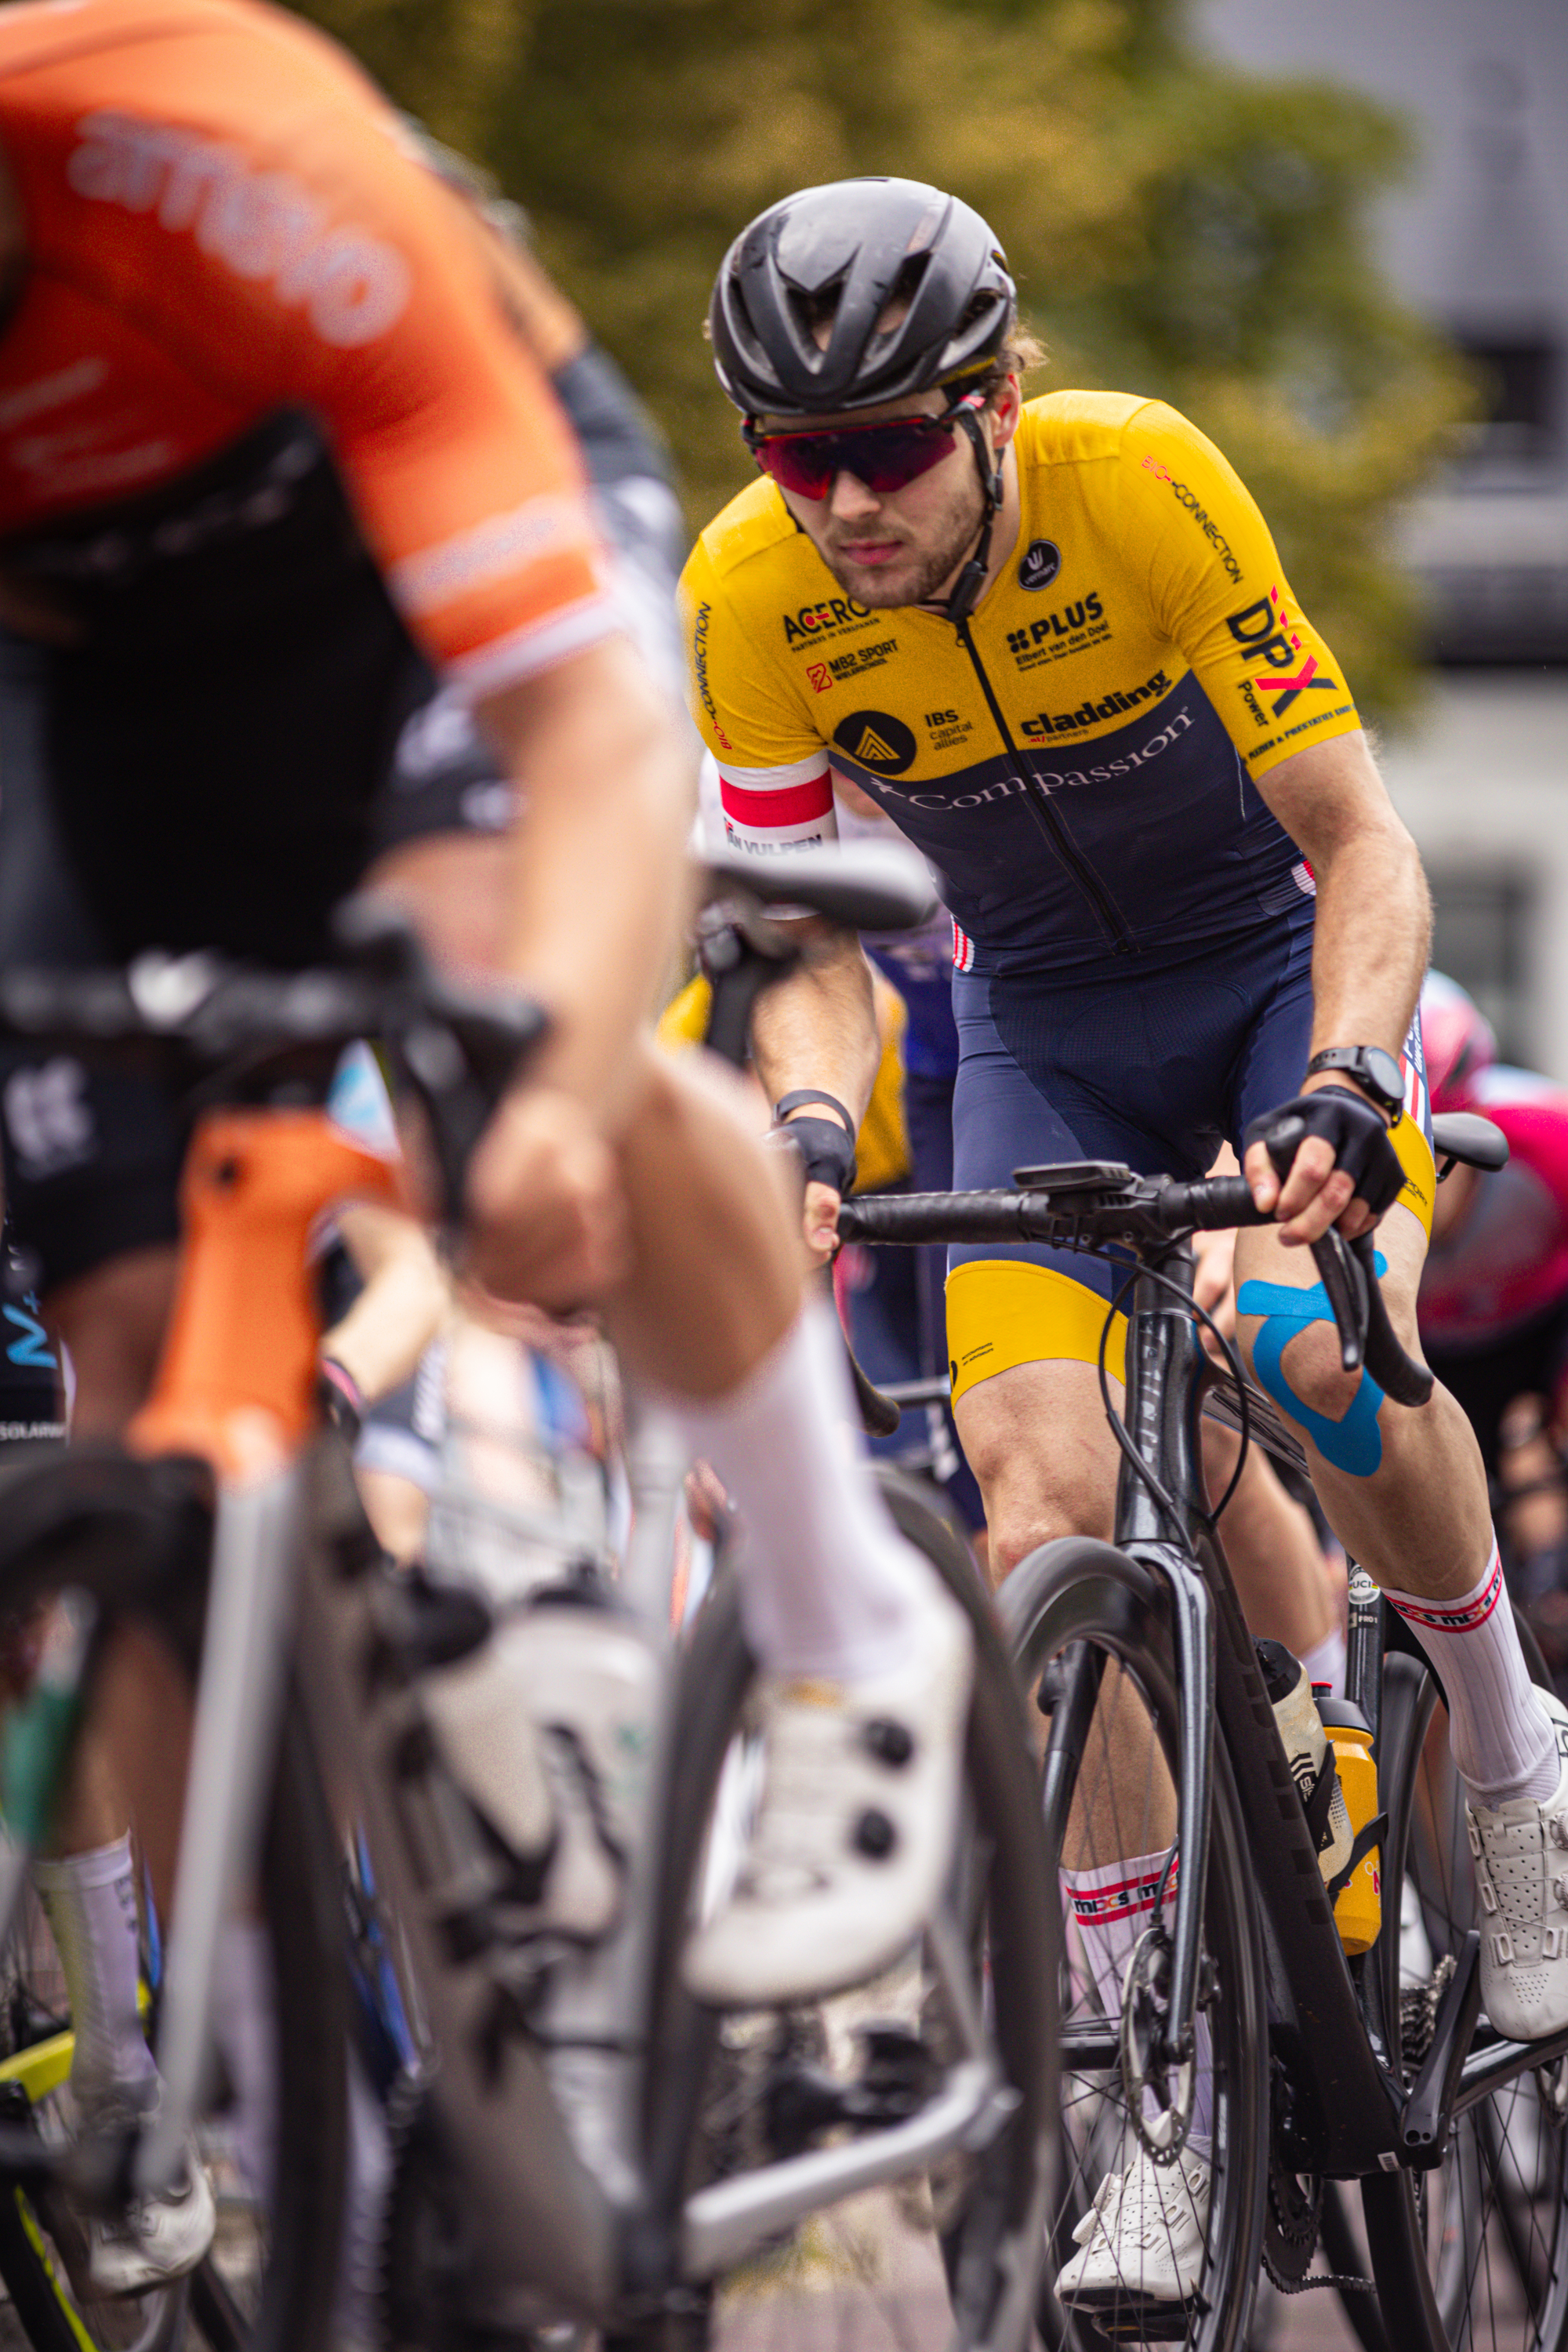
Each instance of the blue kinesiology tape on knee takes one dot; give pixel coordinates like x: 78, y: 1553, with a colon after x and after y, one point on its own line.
x: 1352, y: 1443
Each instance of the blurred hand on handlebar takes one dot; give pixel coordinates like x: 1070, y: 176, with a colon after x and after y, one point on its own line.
x: 547, y: 1217
x: 819, y: 1223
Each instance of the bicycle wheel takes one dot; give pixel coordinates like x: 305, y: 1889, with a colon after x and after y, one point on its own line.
x: 943, y: 2256
x: 1477, y: 2250
x: 270, y: 2279
x: 1086, y: 1619
x: 35, y: 2091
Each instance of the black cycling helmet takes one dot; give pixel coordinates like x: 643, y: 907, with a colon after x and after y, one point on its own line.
x: 868, y: 239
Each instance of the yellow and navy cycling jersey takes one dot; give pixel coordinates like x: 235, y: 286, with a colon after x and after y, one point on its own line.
x: 1078, y: 761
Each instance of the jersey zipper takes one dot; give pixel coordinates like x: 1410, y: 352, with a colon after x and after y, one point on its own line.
x: 1038, y: 802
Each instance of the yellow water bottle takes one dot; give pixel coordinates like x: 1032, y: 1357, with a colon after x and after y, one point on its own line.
x: 1358, y: 1912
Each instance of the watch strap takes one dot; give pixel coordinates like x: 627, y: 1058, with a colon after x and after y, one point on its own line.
x: 1352, y: 1061
x: 803, y: 1094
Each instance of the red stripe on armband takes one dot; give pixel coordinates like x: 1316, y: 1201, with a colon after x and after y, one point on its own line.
x: 796, y: 805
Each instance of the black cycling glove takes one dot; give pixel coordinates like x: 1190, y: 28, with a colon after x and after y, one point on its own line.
x: 339, y: 1398
x: 1348, y: 1121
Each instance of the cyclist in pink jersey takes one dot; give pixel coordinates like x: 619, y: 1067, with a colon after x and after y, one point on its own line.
x: 1493, y: 1302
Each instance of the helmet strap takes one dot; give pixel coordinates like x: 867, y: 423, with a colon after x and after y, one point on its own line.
x: 964, y: 594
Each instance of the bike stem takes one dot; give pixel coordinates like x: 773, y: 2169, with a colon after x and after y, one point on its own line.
x: 1165, y: 1391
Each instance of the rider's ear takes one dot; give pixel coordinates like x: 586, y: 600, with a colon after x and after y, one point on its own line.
x: 1004, y: 409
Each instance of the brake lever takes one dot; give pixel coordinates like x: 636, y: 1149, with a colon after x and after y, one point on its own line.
x: 1348, y: 1271
x: 1346, y: 1279
x: 1345, y: 1275
x: 1396, y: 1374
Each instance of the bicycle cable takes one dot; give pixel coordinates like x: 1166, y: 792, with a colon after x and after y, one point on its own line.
x: 1119, y: 1429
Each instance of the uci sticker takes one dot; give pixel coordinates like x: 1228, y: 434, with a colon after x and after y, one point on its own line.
x: 1040, y: 562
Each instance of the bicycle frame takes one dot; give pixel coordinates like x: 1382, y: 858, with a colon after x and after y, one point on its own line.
x: 1346, y: 2103
x: 234, y: 1387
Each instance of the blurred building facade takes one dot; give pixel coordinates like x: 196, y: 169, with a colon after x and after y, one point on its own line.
x: 1477, y: 239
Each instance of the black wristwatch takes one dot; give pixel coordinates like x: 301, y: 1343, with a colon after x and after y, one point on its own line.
x: 1375, y: 1071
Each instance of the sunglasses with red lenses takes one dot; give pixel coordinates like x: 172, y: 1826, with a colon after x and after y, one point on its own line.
x: 885, y: 457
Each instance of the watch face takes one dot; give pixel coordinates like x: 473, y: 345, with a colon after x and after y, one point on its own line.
x: 1384, y: 1073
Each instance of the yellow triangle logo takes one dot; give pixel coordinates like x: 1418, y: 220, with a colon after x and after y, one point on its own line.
x: 871, y: 748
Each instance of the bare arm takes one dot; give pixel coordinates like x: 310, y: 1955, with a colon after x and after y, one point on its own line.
x: 1374, y: 915
x: 594, y: 902
x: 596, y: 889
x: 1374, y: 931
x: 397, y: 1314
x: 818, y: 1028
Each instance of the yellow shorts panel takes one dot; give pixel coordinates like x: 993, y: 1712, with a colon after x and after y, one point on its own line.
x: 1005, y: 1311
x: 1415, y: 1154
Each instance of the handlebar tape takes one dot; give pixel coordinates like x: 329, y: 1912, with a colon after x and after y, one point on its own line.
x: 915, y: 1217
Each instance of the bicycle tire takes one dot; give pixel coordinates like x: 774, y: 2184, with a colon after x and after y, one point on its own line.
x: 1478, y: 2248
x: 992, y: 2207
x: 288, y: 2306
x: 35, y: 2095
x: 1078, y: 1592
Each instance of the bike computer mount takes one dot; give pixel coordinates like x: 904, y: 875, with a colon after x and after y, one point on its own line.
x: 1107, y: 1176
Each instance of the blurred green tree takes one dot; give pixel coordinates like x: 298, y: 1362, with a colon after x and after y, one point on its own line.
x: 1177, y: 228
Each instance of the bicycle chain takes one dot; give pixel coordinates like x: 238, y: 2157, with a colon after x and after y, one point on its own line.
x: 1299, y: 2231
x: 1283, y: 2284
x: 1343, y: 2285
x: 419, y: 2231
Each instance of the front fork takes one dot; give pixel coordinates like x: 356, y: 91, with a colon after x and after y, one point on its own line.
x: 1164, y: 1388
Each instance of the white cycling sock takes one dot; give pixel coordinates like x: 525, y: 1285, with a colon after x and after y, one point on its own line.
x: 1111, y: 1906
x: 827, y: 1584
x: 1325, y: 1663
x: 90, y: 1902
x: 1503, y: 1741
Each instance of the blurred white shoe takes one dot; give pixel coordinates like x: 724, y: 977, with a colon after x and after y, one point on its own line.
x: 153, y: 2241
x: 855, y: 1827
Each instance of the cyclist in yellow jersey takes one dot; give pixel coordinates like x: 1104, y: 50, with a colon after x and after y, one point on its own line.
x: 1056, y: 643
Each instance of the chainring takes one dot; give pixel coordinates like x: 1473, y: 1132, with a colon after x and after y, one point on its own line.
x: 1293, y: 2216
x: 1293, y: 2205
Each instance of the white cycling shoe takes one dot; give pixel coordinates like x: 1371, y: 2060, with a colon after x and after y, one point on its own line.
x: 1522, y: 1883
x: 854, y: 1830
x: 1145, y: 2236
x: 155, y: 2241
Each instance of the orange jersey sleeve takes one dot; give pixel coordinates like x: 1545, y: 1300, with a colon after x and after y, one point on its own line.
x: 223, y: 219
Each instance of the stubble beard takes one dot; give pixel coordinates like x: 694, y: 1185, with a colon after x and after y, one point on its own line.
x: 872, y: 587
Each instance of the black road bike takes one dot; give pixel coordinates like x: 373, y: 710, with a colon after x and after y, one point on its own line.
x: 1243, y: 2029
